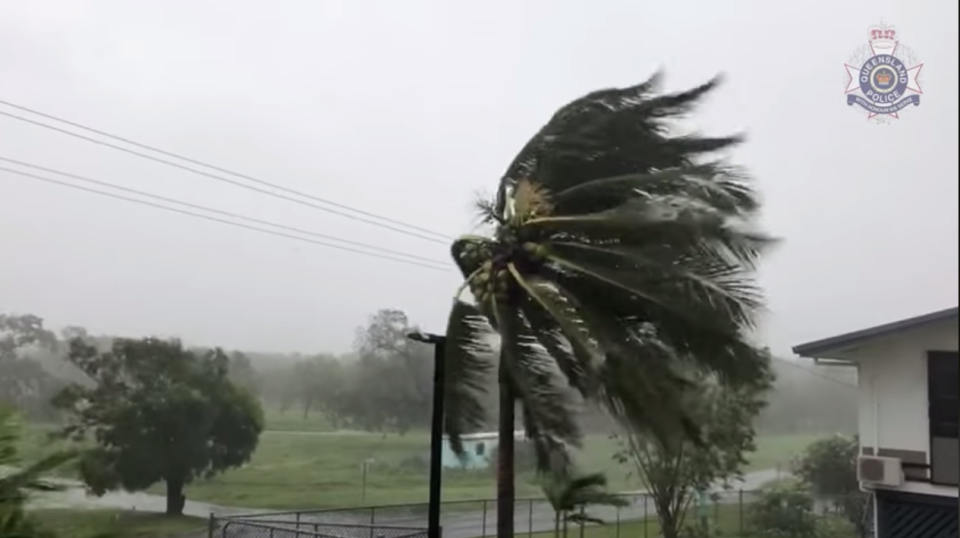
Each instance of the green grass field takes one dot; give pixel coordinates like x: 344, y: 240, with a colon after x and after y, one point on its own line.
x: 122, y: 524
x: 298, y: 466
x: 726, y: 520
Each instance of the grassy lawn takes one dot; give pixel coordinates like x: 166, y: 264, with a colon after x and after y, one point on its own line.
x: 89, y: 523
x: 723, y: 520
x: 293, y: 421
x: 297, y: 466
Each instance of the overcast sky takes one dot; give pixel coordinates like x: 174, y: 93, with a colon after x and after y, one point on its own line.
x: 405, y: 108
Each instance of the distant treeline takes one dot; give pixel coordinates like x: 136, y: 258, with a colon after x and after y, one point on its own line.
x: 385, y: 384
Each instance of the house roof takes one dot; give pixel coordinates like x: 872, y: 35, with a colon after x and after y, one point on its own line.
x: 833, y: 343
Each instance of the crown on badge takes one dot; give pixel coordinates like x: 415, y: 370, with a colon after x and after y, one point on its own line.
x: 883, y: 36
x: 883, y: 78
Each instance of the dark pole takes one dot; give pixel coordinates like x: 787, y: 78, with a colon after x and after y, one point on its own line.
x: 436, y: 430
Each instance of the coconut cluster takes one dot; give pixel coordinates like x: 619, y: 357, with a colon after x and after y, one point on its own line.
x: 492, y: 279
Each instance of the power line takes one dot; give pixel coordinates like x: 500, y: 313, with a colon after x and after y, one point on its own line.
x: 436, y: 239
x: 220, y: 212
x: 214, y: 219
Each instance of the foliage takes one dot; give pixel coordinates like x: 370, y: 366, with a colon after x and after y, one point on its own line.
x: 16, y: 483
x: 157, y: 413
x: 395, y: 375
x: 784, y: 512
x: 242, y: 373
x: 619, y: 250
x: 24, y: 383
x: 570, y: 495
x: 675, y: 468
x: 829, y: 467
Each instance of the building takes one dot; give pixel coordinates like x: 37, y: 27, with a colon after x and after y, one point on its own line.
x: 478, y: 448
x: 908, y: 375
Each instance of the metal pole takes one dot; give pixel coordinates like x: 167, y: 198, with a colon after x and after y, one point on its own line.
x: 436, y: 430
x: 436, y: 440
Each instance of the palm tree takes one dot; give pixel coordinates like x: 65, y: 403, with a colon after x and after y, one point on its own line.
x: 619, y: 251
x: 569, y: 496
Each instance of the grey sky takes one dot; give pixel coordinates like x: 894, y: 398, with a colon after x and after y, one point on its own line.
x: 405, y: 109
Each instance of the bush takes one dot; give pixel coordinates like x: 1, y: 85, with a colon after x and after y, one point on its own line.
x: 784, y: 512
x: 829, y: 467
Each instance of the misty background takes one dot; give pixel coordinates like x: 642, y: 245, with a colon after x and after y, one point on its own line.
x: 405, y: 110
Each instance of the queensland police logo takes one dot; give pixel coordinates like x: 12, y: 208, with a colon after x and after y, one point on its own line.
x: 883, y: 76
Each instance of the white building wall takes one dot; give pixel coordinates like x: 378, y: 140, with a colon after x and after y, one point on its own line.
x: 892, y: 374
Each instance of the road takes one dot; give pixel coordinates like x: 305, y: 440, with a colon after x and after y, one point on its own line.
x: 530, y: 517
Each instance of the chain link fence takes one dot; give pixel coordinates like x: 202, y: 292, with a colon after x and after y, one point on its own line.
x: 731, y: 514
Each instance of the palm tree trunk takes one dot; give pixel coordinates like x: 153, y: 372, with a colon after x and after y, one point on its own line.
x: 505, y: 460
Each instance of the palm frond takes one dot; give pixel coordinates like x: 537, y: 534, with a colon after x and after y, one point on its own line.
x: 557, y: 325
x: 468, y: 361
x: 486, y: 209
x: 694, y: 286
x: 722, y: 187
x: 548, y: 410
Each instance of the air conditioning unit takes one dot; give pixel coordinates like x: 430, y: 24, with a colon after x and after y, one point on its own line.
x: 879, y: 471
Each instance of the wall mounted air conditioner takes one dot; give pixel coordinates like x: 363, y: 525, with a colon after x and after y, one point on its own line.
x: 879, y: 471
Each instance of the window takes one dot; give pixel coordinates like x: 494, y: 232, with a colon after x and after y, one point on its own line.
x: 943, y: 369
x: 480, y: 449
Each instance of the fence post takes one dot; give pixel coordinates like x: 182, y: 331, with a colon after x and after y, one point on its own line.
x: 646, y: 518
x: 298, y: 524
x: 530, y: 518
x: 618, y: 522
x: 741, y: 510
x: 210, y: 524
x: 483, y: 525
x: 373, y: 520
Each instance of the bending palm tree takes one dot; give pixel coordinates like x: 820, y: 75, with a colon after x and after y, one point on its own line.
x: 620, y: 253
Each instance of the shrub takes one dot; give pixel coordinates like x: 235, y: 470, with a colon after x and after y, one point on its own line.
x: 784, y: 512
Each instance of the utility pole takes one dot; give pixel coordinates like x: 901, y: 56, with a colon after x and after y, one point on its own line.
x: 436, y: 429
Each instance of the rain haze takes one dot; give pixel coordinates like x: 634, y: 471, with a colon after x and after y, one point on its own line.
x: 406, y: 110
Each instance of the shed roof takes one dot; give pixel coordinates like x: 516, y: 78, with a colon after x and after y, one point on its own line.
x: 833, y: 343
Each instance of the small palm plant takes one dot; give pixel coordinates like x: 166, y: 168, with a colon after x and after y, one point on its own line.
x: 570, y: 495
x: 17, y: 483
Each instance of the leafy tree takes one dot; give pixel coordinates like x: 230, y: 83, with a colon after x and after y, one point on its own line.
x: 242, y: 373
x: 675, y: 468
x: 829, y: 467
x: 158, y: 413
x: 395, y: 375
x: 570, y: 495
x: 618, y: 249
x: 24, y: 383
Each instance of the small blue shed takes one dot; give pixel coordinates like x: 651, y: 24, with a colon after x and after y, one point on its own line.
x: 478, y: 447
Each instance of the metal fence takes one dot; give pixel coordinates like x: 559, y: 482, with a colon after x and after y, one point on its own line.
x: 731, y: 513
